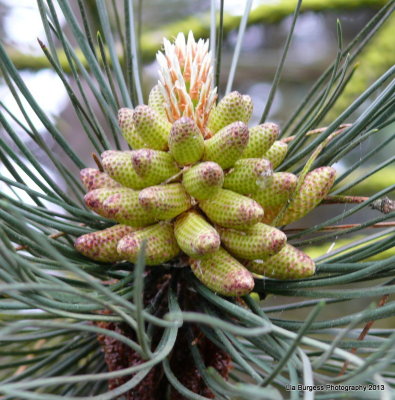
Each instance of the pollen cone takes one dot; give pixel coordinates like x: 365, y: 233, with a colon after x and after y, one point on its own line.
x: 315, y: 187
x: 232, y: 210
x: 165, y: 201
x: 248, y: 175
x: 195, y: 235
x: 276, y: 153
x: 186, y: 143
x: 94, y: 179
x: 118, y: 165
x: 156, y: 101
x: 233, y: 107
x: 273, y: 197
x: 125, y: 122
x: 95, y: 199
x: 153, y: 166
x: 124, y: 207
x: 203, y: 180
x: 161, y: 245
x: 151, y: 127
x: 260, y: 241
x: 261, y: 139
x: 102, y: 245
x: 288, y: 263
x: 226, y: 147
x: 223, y: 274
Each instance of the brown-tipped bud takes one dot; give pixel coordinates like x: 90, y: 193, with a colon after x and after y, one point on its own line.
x: 203, y: 180
x: 273, y: 197
x: 161, y: 245
x: 260, y: 241
x: 95, y: 199
x: 124, y: 207
x: 223, y: 274
x: 226, y: 147
x: 288, y: 263
x: 249, y: 175
x: 102, y: 245
x: 232, y: 210
x: 151, y: 127
x: 118, y: 165
x: 276, y: 153
x: 154, y: 166
x: 94, y: 179
x: 125, y: 122
x: 195, y: 235
x: 261, y: 139
x: 186, y: 143
x: 315, y: 187
x: 165, y: 201
x: 233, y: 107
x: 156, y: 101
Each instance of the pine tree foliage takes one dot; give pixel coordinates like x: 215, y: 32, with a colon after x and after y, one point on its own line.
x: 73, y: 328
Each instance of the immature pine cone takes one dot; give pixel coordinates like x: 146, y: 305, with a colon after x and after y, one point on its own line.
x: 199, y: 181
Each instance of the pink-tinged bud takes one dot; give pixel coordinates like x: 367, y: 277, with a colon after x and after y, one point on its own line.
x: 273, y: 197
x: 226, y: 147
x: 119, y: 167
x: 195, y: 235
x: 102, y: 245
x: 124, y: 207
x: 223, y: 274
x: 161, y: 245
x: 95, y: 199
x: 94, y: 179
x: 153, y: 166
x: 261, y: 139
x: 203, y: 180
x: 151, y: 127
x: 232, y: 210
x: 233, y: 107
x: 186, y: 143
x: 125, y: 122
x: 165, y: 201
x: 315, y: 187
x: 156, y: 101
x: 288, y: 263
x: 248, y: 108
x: 260, y: 241
x: 249, y: 175
x: 276, y: 153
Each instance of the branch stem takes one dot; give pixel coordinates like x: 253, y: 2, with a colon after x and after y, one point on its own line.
x: 55, y: 235
x: 96, y: 159
x: 363, y: 334
x: 344, y: 199
x: 315, y: 131
x: 346, y: 226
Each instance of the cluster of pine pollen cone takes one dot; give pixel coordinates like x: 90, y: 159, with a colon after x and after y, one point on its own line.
x: 200, y: 182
